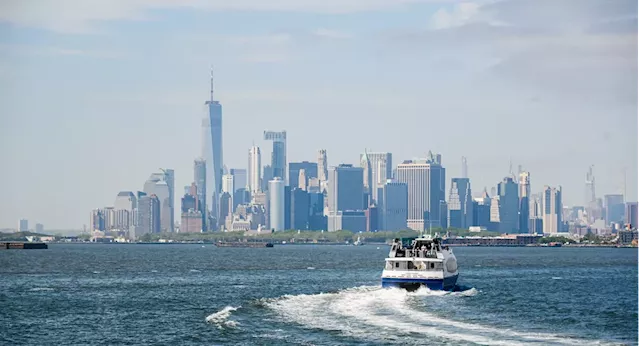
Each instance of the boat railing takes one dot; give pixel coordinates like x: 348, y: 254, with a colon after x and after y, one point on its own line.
x: 416, y: 253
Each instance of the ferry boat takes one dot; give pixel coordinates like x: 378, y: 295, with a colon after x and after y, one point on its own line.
x: 423, y: 261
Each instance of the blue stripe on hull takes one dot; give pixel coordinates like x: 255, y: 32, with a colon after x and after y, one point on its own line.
x: 433, y: 284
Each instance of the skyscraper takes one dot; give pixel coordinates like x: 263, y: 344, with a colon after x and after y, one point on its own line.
x: 191, y: 216
x: 323, y: 168
x: 482, y: 211
x: 345, y: 193
x: 425, y: 179
x: 227, y: 184
x: 300, y: 209
x: 631, y: 214
x: 392, y: 206
x: 590, y: 195
x: 96, y: 220
x: 255, y: 170
x: 279, y: 153
x: 125, y: 205
x: 509, y: 205
x: 276, y: 204
x: 212, y: 149
x: 552, y: 210
x: 365, y: 164
x: 158, y: 185
x: 535, y: 214
x: 24, y: 225
x: 239, y: 178
x: 310, y: 171
x: 524, y: 194
x: 267, y: 176
x: 614, y: 208
x: 226, y: 211
x: 345, y: 188
x: 380, y: 168
x: 148, y: 215
x: 460, y: 204
x: 200, y: 178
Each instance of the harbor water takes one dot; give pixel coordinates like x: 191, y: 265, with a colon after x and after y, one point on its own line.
x: 110, y: 294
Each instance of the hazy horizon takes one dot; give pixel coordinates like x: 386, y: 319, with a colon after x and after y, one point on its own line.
x: 97, y: 97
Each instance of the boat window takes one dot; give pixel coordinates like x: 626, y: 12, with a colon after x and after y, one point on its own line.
x: 410, y: 265
x: 397, y: 264
x: 432, y: 265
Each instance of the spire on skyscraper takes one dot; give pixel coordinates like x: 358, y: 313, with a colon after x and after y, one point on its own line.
x: 464, y: 167
x: 211, y: 83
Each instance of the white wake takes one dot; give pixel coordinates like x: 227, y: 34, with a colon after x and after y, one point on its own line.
x: 221, y: 318
x: 390, y: 315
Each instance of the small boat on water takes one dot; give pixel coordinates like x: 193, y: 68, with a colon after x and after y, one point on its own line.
x: 358, y: 242
x: 423, y: 261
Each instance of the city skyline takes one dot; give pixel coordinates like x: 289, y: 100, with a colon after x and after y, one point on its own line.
x: 322, y: 112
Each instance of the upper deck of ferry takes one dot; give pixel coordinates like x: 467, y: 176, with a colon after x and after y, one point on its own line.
x: 410, y: 248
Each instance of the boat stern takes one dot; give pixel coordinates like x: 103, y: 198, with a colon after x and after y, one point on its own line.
x: 412, y: 284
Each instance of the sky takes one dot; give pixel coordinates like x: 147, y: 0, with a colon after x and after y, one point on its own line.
x: 97, y: 95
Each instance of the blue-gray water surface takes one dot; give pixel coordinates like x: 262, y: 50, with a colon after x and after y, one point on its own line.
x: 91, y: 294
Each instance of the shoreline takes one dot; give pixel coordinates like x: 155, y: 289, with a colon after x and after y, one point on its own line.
x: 275, y: 243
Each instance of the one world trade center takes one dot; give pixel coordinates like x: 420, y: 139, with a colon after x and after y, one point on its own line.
x: 212, y: 153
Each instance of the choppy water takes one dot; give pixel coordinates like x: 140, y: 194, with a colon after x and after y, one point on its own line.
x: 311, y: 295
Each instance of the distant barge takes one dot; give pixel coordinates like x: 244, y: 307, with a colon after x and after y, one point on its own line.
x: 242, y: 244
x: 22, y: 246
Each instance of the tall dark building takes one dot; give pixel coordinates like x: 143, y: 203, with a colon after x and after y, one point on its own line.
x: 267, y: 176
x: 631, y: 214
x: 317, y: 221
x: 392, y: 206
x: 189, y: 202
x: 509, y: 205
x: 310, y: 171
x: 97, y: 221
x: 279, y: 153
x: 346, y: 194
x: 287, y: 207
x: 372, y: 219
x: 226, y: 208
x: 299, y: 209
x: 613, y: 208
x: 241, y: 196
x: 460, y: 203
x: 482, y: 211
x: 148, y: 215
x: 523, y: 215
x: 200, y: 178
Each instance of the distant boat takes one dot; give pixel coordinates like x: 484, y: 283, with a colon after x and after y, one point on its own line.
x: 416, y: 262
x: 358, y: 242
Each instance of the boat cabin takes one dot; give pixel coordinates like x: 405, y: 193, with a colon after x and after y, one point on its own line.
x: 422, y: 254
x: 416, y: 247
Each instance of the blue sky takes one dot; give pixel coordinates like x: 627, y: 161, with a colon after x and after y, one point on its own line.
x: 99, y: 94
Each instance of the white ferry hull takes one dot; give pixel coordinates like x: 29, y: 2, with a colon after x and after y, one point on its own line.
x: 446, y: 284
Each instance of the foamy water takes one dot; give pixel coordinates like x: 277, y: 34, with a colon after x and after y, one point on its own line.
x: 221, y: 318
x: 374, y: 314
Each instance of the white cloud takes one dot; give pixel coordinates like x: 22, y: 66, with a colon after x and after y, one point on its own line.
x: 459, y: 15
x: 80, y: 16
x: 332, y: 34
